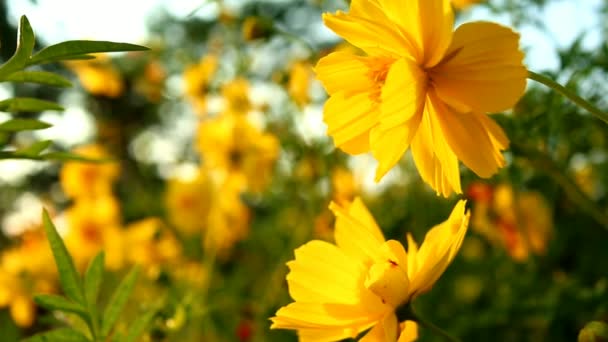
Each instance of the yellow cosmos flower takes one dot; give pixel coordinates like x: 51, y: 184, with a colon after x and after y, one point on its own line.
x: 344, y: 186
x: 85, y: 179
x: 421, y: 85
x: 94, y: 225
x: 197, y: 78
x: 364, y: 278
x: 299, y: 82
x: 236, y: 96
x: 188, y: 201
x: 233, y: 146
x: 98, y: 76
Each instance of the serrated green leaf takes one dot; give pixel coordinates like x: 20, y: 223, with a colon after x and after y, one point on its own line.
x: 68, y: 277
x: 117, y: 302
x: 40, y: 77
x: 25, y: 46
x: 92, y: 279
x: 58, y: 335
x: 54, y: 302
x: 35, y: 149
x: 27, y: 104
x: 16, y: 125
x: 139, y: 326
x: 80, y: 47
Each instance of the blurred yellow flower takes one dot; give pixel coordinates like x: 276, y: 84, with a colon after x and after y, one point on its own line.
x: 197, y: 78
x: 343, y: 185
x: 94, y: 225
x: 520, y: 222
x: 236, y: 96
x: 86, y: 179
x: 364, y: 278
x: 231, y: 145
x: 461, y: 4
x: 152, y: 245
x: 151, y: 83
x: 449, y: 81
x: 98, y: 76
x: 188, y: 201
x: 299, y: 82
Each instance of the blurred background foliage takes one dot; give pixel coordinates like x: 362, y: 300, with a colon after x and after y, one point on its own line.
x: 222, y: 167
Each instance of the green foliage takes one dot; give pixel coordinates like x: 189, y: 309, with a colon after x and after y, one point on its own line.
x: 82, y: 297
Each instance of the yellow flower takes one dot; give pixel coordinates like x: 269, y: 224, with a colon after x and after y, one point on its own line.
x: 85, y: 179
x: 236, y: 96
x: 151, y: 83
x: 151, y: 244
x: 461, y: 4
x: 98, y: 76
x: 188, y: 202
x: 299, y: 82
x: 421, y: 85
x: 197, y: 78
x: 343, y: 184
x: 94, y: 225
x: 231, y: 145
x: 344, y: 289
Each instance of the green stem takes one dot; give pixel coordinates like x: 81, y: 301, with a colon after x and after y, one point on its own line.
x: 407, y: 312
x: 568, y: 94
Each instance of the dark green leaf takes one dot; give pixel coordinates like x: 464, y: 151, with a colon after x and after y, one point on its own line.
x: 35, y: 149
x: 67, y: 156
x: 41, y: 77
x: 58, y: 335
x: 92, y: 279
x: 15, y: 125
x: 118, y: 301
x: 139, y: 326
x: 25, y: 46
x: 27, y: 104
x: 72, y: 48
x: 68, y: 277
x: 54, y: 302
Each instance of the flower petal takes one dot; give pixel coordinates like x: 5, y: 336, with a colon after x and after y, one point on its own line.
x: 384, y: 331
x: 349, y: 120
x: 401, y: 108
x: 356, y: 232
x: 474, y: 138
x: 436, y: 162
x: 483, y: 69
x: 427, y: 24
x: 375, y: 37
x: 343, y: 71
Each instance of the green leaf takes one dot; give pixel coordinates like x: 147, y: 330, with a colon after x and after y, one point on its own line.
x: 54, y: 302
x: 67, y: 156
x: 34, y: 149
x: 58, y: 335
x: 68, y: 277
x: 16, y: 125
x: 27, y: 104
x: 118, y: 301
x: 25, y: 46
x: 41, y: 77
x: 92, y: 279
x: 66, y: 50
x: 139, y: 326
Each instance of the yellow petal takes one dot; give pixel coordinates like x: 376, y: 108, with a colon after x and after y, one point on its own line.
x: 384, y: 331
x: 387, y: 277
x: 427, y: 23
x: 438, y: 249
x: 342, y: 71
x: 471, y: 137
x: 483, y: 69
x: 409, y: 332
x: 357, y: 233
x: 375, y: 37
x: 400, y: 113
x: 436, y: 162
x: 319, y: 262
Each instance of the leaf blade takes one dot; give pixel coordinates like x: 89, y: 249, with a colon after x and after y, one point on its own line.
x: 25, y: 45
x: 27, y: 104
x: 92, y: 279
x: 61, y: 334
x: 117, y: 302
x: 138, y: 326
x: 16, y: 125
x: 40, y: 77
x: 54, y: 302
x: 65, y: 50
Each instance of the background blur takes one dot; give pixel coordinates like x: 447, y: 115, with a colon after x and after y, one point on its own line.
x: 222, y: 167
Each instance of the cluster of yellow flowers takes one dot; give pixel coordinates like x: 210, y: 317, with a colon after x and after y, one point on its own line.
x: 419, y: 84
x: 236, y: 157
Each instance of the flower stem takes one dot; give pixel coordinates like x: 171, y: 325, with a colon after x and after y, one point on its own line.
x: 408, y: 313
x: 568, y: 94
